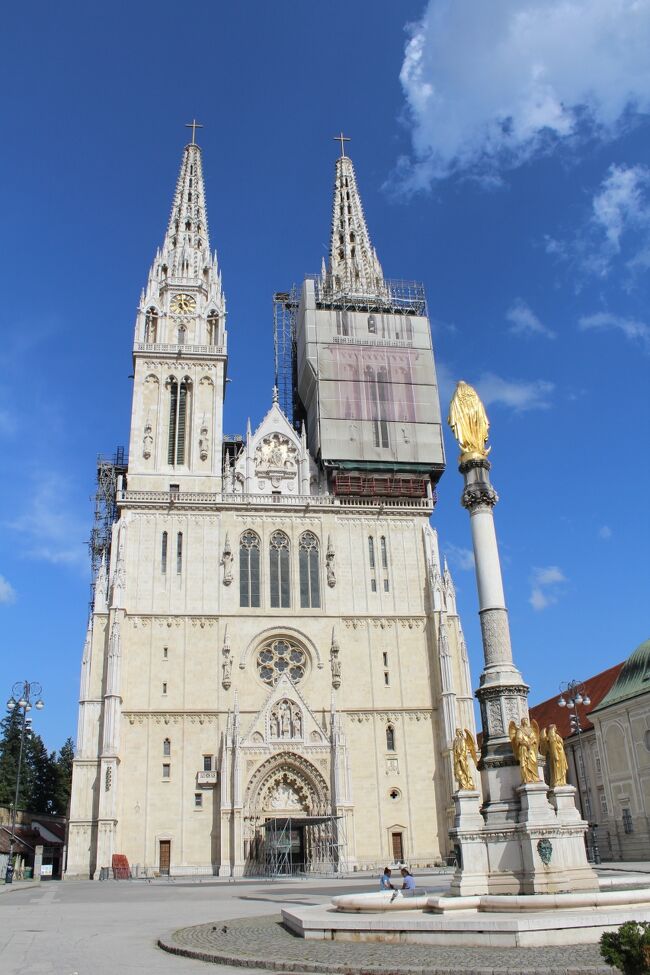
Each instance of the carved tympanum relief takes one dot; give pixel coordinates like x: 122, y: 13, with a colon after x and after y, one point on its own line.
x: 286, y: 721
x: 276, y: 457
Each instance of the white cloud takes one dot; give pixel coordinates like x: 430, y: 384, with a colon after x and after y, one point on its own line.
x: 490, y: 85
x: 633, y: 330
x: 524, y: 321
x: 461, y: 558
x: 49, y: 532
x: 605, y: 532
x: 546, y: 586
x: 617, y: 230
x: 518, y: 394
x: 7, y: 591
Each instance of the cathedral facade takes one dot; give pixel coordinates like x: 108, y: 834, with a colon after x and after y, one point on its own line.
x: 274, y: 664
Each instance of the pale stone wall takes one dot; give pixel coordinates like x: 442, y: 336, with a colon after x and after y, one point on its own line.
x: 171, y: 684
x: 623, y: 734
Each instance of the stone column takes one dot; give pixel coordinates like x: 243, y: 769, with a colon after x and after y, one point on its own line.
x: 502, y: 692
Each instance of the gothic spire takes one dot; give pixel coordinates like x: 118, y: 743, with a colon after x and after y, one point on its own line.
x: 187, y: 242
x: 354, y: 267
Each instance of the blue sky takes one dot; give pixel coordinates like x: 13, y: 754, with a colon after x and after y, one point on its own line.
x: 502, y: 156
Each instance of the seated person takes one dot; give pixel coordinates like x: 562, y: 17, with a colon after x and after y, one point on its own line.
x: 408, y: 885
x: 384, y: 880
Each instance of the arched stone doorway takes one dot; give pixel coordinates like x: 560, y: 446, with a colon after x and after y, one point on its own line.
x: 285, y: 789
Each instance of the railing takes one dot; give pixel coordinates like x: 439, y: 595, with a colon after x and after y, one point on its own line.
x: 178, y: 349
x: 207, y: 499
x: 207, y: 777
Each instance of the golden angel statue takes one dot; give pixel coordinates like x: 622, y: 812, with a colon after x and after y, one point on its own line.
x: 524, y: 739
x: 551, y: 744
x: 468, y: 420
x: 464, y: 746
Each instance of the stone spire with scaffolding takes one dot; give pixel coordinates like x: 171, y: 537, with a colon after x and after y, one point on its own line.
x: 354, y: 267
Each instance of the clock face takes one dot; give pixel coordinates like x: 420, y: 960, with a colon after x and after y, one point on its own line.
x: 183, y: 303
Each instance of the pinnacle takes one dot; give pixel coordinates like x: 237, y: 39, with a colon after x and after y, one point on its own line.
x: 353, y: 266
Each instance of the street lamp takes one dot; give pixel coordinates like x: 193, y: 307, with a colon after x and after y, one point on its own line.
x: 572, y: 694
x: 25, y: 691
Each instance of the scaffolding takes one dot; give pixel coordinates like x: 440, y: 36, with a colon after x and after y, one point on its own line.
x: 285, y: 308
x: 299, y: 845
x: 105, y: 513
x: 397, y: 297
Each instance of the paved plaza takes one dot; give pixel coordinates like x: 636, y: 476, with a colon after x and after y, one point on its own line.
x: 92, y: 928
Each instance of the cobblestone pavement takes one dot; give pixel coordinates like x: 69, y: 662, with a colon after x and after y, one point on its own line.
x: 262, y: 942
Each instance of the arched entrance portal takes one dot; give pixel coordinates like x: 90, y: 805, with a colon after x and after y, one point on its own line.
x: 288, y: 823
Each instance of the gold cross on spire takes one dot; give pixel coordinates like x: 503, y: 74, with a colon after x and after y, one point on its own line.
x: 342, y: 139
x: 193, y: 125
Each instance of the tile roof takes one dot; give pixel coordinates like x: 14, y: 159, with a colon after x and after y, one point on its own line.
x: 548, y: 712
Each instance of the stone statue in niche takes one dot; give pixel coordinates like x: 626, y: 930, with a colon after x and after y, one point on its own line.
x: 286, y: 721
x: 226, y: 668
x: 226, y: 562
x: 276, y: 456
x: 147, y: 441
x: 204, y: 441
x: 335, y: 662
x: 330, y: 557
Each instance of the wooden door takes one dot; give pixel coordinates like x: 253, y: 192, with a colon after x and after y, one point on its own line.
x: 398, y: 850
x: 165, y: 857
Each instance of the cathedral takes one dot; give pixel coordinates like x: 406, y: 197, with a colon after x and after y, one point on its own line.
x: 274, y: 665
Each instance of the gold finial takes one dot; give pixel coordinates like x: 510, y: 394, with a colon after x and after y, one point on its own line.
x: 193, y: 125
x: 342, y: 139
x: 468, y: 420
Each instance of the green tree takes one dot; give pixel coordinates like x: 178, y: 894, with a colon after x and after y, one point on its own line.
x: 10, y: 730
x: 64, y: 777
x: 41, y: 768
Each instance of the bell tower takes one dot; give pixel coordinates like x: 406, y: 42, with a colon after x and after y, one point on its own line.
x: 365, y: 374
x: 180, y: 351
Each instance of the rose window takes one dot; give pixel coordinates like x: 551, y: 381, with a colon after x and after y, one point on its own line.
x: 279, y: 657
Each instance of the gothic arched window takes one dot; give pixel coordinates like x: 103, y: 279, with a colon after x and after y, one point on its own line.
x: 279, y: 570
x: 213, y: 328
x: 390, y: 738
x: 151, y: 325
x: 178, y: 412
x: 308, y: 560
x: 371, y: 551
x: 249, y: 569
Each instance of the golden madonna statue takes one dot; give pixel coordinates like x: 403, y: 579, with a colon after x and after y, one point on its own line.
x: 468, y: 420
x: 524, y: 739
x: 464, y: 746
x: 551, y: 744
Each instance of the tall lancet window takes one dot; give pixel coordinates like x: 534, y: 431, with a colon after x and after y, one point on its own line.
x: 249, y: 570
x: 308, y: 559
x: 279, y: 570
x: 179, y: 395
x: 151, y: 325
x: 213, y: 328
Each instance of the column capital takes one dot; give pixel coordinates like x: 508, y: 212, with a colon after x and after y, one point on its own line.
x: 478, y: 489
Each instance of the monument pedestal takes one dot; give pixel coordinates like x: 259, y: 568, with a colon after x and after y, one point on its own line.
x: 469, y: 845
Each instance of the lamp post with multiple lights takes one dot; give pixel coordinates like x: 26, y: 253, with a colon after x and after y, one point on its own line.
x: 23, y: 693
x: 572, y: 694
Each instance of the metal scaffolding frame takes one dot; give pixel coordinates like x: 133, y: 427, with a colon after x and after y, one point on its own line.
x: 105, y: 511
x: 285, y: 308
x: 320, y: 849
